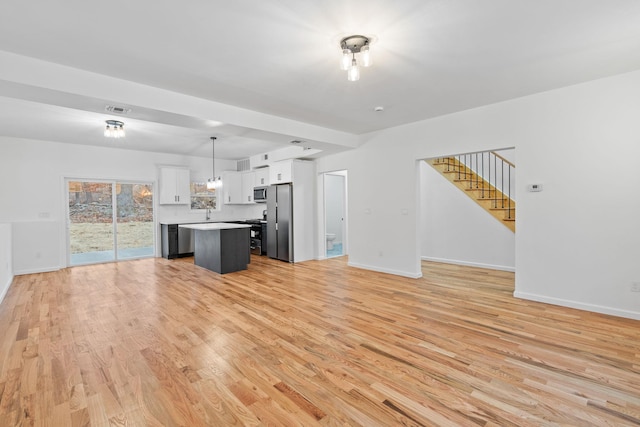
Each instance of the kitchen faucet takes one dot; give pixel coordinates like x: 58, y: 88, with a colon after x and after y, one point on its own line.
x: 208, y: 215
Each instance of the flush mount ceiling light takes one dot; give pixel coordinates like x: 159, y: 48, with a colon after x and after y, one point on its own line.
x: 350, y: 46
x: 114, y: 129
x: 214, y: 182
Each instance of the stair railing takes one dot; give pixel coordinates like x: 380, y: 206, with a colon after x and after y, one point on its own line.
x: 476, y: 168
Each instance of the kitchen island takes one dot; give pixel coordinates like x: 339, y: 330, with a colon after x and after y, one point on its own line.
x: 221, y: 247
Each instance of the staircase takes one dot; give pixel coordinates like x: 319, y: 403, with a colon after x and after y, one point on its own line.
x: 486, y: 177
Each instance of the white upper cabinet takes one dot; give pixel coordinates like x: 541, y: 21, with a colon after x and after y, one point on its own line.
x: 281, y: 172
x: 259, y: 160
x: 262, y: 177
x: 232, y: 187
x: 237, y: 187
x: 174, y: 186
x: 248, y: 182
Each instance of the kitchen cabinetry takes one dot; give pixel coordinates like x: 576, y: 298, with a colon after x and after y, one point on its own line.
x: 176, y: 243
x: 238, y: 187
x: 262, y: 177
x: 299, y: 208
x: 232, y: 187
x: 174, y: 186
x: 220, y: 247
x: 281, y: 172
x: 248, y: 182
x: 259, y: 160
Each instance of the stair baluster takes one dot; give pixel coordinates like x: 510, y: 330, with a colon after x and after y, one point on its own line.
x: 476, y: 174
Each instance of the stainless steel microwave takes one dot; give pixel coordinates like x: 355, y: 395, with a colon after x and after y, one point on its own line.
x: 260, y: 194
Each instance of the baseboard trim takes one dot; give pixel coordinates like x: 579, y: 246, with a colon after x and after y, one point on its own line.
x: 37, y: 270
x: 386, y: 270
x: 578, y: 305
x: 6, y: 289
x: 470, y: 264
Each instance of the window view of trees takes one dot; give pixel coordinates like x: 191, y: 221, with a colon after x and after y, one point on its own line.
x: 91, y: 228
x: 202, y: 197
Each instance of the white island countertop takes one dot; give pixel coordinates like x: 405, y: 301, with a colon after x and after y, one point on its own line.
x: 215, y: 226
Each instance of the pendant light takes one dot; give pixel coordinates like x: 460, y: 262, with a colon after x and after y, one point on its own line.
x: 213, y: 182
x: 114, y: 129
x: 351, y: 46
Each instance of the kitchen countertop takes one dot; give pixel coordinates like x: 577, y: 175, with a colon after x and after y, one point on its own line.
x: 215, y: 226
x: 236, y: 221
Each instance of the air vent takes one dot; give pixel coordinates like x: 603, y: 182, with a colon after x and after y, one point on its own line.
x: 243, y: 165
x: 117, y: 110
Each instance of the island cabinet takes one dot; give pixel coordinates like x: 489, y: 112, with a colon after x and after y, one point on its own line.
x: 174, y: 186
x: 221, y: 247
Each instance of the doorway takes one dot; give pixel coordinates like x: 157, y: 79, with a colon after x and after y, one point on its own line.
x: 335, y: 212
x: 109, y: 221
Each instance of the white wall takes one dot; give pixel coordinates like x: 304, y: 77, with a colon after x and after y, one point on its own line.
x: 576, y: 242
x: 455, y: 229
x: 6, y: 269
x: 32, y: 182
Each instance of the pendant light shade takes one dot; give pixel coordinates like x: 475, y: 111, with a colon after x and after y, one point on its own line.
x: 353, y: 74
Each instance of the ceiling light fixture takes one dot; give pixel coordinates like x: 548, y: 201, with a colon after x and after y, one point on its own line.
x: 350, y: 46
x: 114, y: 129
x: 214, y: 182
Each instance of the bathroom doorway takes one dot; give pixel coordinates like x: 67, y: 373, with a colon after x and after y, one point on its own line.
x: 335, y: 213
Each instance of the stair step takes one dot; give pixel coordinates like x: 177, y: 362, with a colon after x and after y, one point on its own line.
x: 497, y: 202
x: 483, y: 192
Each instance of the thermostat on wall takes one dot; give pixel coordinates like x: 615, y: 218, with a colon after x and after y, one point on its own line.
x: 534, y: 187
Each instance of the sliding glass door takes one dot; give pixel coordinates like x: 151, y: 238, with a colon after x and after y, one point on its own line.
x: 109, y: 221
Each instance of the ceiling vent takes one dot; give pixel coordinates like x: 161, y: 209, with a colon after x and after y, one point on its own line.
x: 243, y: 165
x: 117, y: 110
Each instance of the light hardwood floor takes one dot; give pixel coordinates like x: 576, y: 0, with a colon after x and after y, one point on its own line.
x: 157, y: 342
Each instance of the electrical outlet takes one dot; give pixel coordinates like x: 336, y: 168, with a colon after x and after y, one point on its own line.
x: 635, y: 287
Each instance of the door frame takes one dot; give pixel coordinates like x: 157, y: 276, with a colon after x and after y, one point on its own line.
x: 113, y: 182
x: 345, y: 221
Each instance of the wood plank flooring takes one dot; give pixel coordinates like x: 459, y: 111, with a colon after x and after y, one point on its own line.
x: 165, y: 343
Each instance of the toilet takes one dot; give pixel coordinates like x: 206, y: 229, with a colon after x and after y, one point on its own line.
x: 330, y: 238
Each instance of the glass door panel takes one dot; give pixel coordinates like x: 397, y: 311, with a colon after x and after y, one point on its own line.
x: 134, y: 220
x: 109, y: 221
x: 91, y: 237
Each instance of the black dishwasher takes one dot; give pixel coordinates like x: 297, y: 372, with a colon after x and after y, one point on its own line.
x: 176, y: 242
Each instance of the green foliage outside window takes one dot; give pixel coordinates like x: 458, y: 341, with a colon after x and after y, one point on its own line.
x: 202, y: 197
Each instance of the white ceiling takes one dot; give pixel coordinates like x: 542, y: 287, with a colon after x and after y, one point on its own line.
x: 431, y: 57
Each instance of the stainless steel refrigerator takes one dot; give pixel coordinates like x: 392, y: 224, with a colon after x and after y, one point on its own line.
x: 280, y: 222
